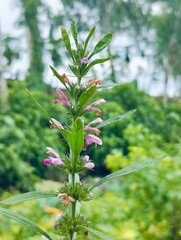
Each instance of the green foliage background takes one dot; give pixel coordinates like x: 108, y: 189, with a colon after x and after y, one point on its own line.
x: 143, y: 205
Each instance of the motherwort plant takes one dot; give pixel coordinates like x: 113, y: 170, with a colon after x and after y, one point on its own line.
x: 77, y: 99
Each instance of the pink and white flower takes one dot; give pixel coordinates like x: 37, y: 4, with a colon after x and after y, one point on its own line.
x: 54, y: 123
x: 86, y: 158
x: 90, y: 139
x: 89, y: 165
x: 90, y: 128
x: 62, y: 98
x: 56, y: 160
x: 91, y: 107
x: 85, y: 60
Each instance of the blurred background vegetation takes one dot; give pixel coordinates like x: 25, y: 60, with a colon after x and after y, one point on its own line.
x: 145, y: 205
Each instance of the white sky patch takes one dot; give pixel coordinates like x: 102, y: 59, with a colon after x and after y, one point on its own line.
x: 138, y: 68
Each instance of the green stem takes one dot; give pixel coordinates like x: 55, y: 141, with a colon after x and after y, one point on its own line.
x: 74, y: 206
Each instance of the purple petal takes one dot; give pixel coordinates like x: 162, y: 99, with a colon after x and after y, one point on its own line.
x: 47, y: 161
x: 85, y: 60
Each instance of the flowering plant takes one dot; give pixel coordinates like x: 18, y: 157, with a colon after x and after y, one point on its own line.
x: 76, y: 97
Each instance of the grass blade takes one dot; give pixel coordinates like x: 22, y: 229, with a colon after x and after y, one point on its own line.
x: 27, y: 197
x: 25, y: 221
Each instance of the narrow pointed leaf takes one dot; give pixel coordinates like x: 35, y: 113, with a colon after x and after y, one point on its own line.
x: 39, y: 106
x: 95, y: 62
x: 27, y: 197
x: 102, y: 44
x: 91, y: 33
x: 126, y: 171
x: 87, y: 96
x: 73, y: 29
x: 66, y: 41
x: 100, y: 234
x: 58, y: 75
x: 25, y: 221
x: 115, y: 119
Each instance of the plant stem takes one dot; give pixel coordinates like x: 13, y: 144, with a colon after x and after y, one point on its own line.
x: 74, y: 206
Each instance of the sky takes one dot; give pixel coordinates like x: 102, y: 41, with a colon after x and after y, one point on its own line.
x: 9, y: 14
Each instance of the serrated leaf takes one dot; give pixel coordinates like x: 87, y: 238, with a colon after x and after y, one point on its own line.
x: 73, y: 29
x: 39, y: 106
x: 91, y: 33
x: 115, y: 119
x: 99, y: 234
x: 25, y: 221
x: 27, y: 197
x: 102, y: 44
x: 66, y: 41
x: 87, y: 96
x: 75, y: 137
x: 96, y: 61
x: 126, y: 171
x: 58, y: 75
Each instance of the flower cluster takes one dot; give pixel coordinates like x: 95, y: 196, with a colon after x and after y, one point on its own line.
x: 89, y: 138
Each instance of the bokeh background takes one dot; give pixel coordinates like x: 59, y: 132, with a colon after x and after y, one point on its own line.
x: 144, y: 74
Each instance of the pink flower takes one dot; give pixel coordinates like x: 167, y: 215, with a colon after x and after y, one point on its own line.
x: 89, y: 165
x: 91, y: 106
x: 55, y: 123
x: 90, y: 139
x: 47, y: 161
x: 56, y: 161
x: 66, y: 199
x: 51, y: 151
x: 62, y: 98
x: 89, y: 128
x: 85, y: 60
x: 86, y: 158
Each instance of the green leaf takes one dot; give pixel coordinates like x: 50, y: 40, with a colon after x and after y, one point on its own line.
x: 96, y: 61
x: 75, y: 138
x: 102, y: 44
x: 44, y: 112
x: 91, y: 33
x: 24, y: 220
x: 58, y: 75
x: 99, y: 234
x: 87, y: 96
x: 66, y: 41
x: 73, y: 29
x: 115, y: 119
x: 39, y: 106
x: 126, y: 171
x: 27, y: 197
x: 74, y: 70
